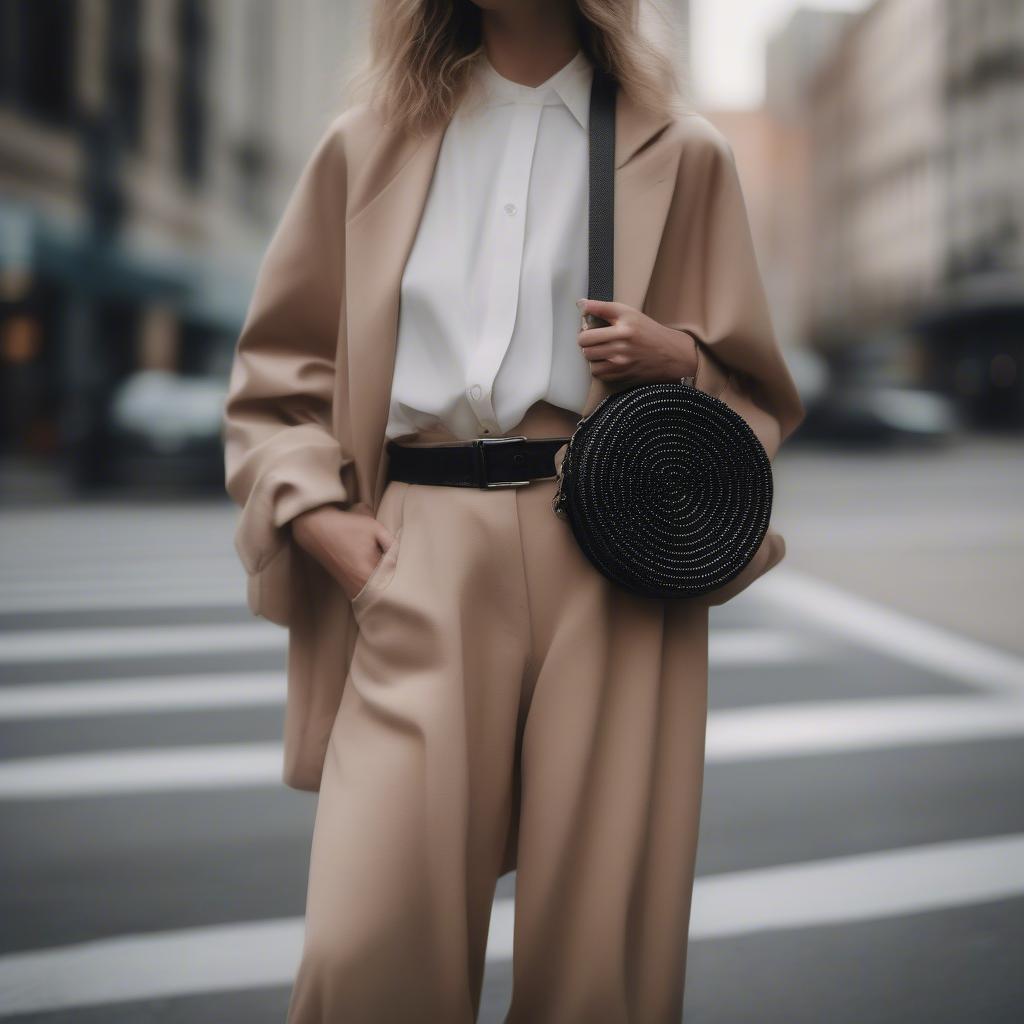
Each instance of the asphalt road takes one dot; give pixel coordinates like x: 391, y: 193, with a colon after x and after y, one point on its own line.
x: 862, y: 842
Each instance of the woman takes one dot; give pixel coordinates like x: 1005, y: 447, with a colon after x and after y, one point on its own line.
x: 466, y: 692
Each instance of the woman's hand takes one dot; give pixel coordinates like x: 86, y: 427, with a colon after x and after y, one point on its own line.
x: 633, y: 347
x: 348, y: 543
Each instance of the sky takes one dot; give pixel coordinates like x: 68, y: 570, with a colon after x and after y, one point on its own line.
x: 727, y: 44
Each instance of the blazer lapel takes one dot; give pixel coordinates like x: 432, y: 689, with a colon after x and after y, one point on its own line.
x: 380, y: 234
x: 378, y: 240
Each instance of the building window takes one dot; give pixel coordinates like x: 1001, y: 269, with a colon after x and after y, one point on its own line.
x: 192, y: 47
x: 38, y: 56
x: 124, y: 70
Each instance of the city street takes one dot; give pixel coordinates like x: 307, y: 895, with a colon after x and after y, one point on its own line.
x: 862, y: 840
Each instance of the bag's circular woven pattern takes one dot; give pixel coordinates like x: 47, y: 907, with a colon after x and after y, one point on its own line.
x: 667, y: 489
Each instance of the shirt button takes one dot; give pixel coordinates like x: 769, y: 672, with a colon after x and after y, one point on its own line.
x: 510, y: 209
x: 475, y: 391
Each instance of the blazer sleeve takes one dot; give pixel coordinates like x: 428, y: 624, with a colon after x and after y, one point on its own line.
x: 281, y: 453
x: 720, y: 297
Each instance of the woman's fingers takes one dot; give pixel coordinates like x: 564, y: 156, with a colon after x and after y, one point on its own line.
x: 610, y: 371
x: 599, y: 335
x: 605, y: 309
x: 348, y: 543
x: 612, y: 352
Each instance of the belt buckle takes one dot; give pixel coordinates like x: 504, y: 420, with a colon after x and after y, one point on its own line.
x: 479, y: 443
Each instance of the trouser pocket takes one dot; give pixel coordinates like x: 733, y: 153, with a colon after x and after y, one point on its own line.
x: 389, y: 512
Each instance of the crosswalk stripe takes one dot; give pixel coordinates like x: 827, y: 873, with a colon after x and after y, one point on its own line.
x: 191, y: 961
x: 56, y: 573
x: 832, y: 727
x: 737, y: 647
x: 261, y: 954
x: 117, y: 598
x: 726, y: 647
x: 859, y: 888
x: 196, y: 690
x: 60, y: 645
x: 131, y: 696
x: 109, y: 772
x: 734, y: 735
x: 891, y: 632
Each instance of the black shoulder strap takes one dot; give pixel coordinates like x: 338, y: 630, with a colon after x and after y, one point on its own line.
x: 602, y: 185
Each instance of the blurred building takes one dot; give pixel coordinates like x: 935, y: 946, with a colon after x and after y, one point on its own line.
x: 794, y: 55
x: 984, y: 92
x: 917, y: 131
x: 877, y: 133
x: 884, y: 176
x: 773, y: 154
x: 146, y: 148
x: 975, y: 327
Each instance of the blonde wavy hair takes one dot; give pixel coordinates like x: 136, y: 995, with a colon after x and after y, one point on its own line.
x: 421, y: 55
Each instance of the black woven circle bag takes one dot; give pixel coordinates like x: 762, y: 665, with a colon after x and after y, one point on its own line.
x: 667, y: 489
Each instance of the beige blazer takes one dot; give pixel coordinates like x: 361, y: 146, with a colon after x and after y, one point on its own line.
x: 308, y: 397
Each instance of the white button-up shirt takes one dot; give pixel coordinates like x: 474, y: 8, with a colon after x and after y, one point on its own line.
x: 487, y: 314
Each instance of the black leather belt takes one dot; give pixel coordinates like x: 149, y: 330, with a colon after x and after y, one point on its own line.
x: 483, y: 462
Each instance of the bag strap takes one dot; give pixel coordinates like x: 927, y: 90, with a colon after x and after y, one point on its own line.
x: 602, y: 185
x: 602, y: 197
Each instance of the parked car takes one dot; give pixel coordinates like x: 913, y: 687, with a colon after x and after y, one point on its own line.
x: 870, y: 403
x: 878, y: 414
x: 165, y: 428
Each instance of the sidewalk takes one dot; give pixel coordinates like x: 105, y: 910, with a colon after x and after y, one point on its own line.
x: 25, y: 481
x: 937, y: 534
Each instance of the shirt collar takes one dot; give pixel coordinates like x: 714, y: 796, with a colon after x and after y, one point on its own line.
x: 569, y: 85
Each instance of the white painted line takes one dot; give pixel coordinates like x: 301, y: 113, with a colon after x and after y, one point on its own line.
x: 832, y: 727
x: 502, y: 929
x: 110, y: 772
x: 61, y: 569
x: 118, y: 598
x: 189, y: 691
x: 726, y: 647
x: 737, y: 647
x: 157, y: 965
x: 734, y: 736
x: 58, y: 574
x: 892, y: 632
x: 60, y: 645
x: 859, y: 888
x: 259, y: 954
x: 135, y: 696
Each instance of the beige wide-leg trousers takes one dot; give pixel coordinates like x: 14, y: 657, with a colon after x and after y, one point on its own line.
x: 502, y: 690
